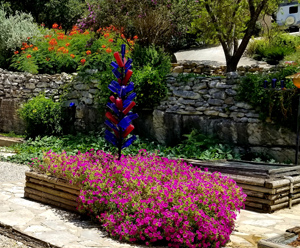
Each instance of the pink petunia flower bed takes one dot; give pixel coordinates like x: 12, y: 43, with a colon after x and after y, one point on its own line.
x: 150, y: 199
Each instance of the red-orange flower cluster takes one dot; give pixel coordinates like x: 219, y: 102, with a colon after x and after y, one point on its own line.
x: 108, y: 50
x: 16, y: 52
x: 72, y: 55
x: 88, y: 52
x: 35, y: 49
x: 111, y: 40
x: 28, y: 56
x: 53, y: 42
x: 55, y: 25
x: 63, y: 50
x: 61, y: 36
x: 82, y: 61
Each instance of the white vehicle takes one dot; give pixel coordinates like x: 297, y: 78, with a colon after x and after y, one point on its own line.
x: 288, y: 14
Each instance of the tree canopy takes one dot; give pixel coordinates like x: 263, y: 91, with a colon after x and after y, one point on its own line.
x: 231, y: 22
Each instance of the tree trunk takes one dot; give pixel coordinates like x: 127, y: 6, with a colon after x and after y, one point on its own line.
x: 233, y: 60
x: 231, y: 64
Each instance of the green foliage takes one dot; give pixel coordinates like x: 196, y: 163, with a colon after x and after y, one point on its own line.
x: 91, y: 56
x: 14, y: 30
x: 63, y: 12
x: 204, y: 147
x: 227, y: 22
x: 159, y: 23
x: 272, y: 50
x: 12, y: 134
x: 273, y: 105
x: 196, y: 146
x: 42, y: 116
x: 151, y: 65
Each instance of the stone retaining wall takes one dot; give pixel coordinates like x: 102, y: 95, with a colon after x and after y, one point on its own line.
x: 210, y: 68
x: 16, y: 88
x: 209, y: 104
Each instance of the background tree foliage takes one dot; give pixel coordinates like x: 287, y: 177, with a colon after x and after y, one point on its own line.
x: 227, y: 21
x: 62, y: 12
x: 159, y: 22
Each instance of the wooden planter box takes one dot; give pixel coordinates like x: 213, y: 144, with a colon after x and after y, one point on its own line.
x: 51, y: 190
x: 268, y: 187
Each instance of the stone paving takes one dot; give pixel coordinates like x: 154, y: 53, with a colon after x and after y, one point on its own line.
x: 63, y: 229
x: 54, y: 226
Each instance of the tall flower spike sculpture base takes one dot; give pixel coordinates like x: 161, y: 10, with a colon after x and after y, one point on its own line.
x: 119, y: 117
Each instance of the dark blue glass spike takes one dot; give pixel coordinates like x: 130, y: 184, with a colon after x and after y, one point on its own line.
x: 274, y: 82
x: 132, y: 116
x: 129, y: 68
x: 109, y: 134
x: 110, y: 140
x: 113, y: 89
x: 110, y: 137
x: 113, y: 107
x: 123, y: 49
x: 126, y: 103
x: 131, y: 96
x: 114, y: 65
x: 72, y: 104
x: 123, y: 91
x: 110, y: 125
x: 129, y: 87
x: 124, y: 123
x: 115, y: 84
x: 116, y: 73
x: 128, y: 63
x: 129, y: 141
x: 129, y: 99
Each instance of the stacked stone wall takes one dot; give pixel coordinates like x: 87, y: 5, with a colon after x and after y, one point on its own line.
x: 210, y: 69
x: 16, y: 88
x: 209, y: 104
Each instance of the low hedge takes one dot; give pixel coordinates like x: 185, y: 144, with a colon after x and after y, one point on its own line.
x: 150, y: 199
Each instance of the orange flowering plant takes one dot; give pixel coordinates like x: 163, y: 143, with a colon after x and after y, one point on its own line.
x: 77, y: 50
x: 90, y: 54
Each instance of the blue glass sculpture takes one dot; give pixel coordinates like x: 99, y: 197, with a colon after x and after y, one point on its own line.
x: 119, y: 117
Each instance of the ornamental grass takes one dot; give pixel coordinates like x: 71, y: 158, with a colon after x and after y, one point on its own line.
x: 150, y: 199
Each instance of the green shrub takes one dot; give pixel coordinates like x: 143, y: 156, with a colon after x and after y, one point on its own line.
x: 57, y: 52
x: 42, y: 116
x: 14, y: 30
x: 151, y: 65
x: 273, y: 105
x: 273, y: 50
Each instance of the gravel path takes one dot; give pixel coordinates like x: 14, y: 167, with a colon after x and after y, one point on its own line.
x: 10, y: 172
